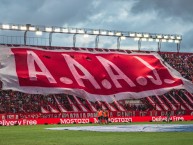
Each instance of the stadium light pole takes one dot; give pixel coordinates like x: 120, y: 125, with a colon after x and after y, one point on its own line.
x: 178, y: 47
x: 118, y: 42
x: 139, y: 44
x: 138, y: 39
x: 178, y: 42
x: 50, y: 39
x: 25, y: 33
x: 96, y: 41
x: 25, y: 37
x: 74, y: 40
x: 119, y: 38
x: 50, y: 31
x: 159, y: 46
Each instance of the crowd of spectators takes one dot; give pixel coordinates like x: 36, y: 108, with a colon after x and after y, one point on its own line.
x: 183, y: 63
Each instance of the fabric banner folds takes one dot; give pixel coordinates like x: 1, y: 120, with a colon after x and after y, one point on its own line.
x: 107, y: 76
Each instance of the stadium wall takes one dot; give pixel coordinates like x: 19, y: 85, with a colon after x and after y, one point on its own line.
x: 46, y: 121
x: 83, y: 118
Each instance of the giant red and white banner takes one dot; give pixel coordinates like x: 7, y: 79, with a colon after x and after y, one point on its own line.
x: 105, y: 75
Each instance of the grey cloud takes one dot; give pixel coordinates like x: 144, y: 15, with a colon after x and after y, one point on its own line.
x: 18, y: 11
x: 45, y: 12
x: 181, y: 9
x: 155, y: 16
x: 61, y: 12
x: 170, y: 14
x: 187, y: 43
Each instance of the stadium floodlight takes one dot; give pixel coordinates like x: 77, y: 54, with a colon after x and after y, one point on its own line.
x: 122, y: 37
x: 57, y: 30
x: 48, y: 29
x: 150, y: 39
x: 65, y: 30
x: 81, y: 31
x: 170, y: 40
x: 172, y: 37
x: 132, y: 34
x: 146, y: 35
x: 110, y: 33
x: 5, y: 26
x: 136, y: 39
x: 32, y: 28
x: 86, y: 35
x: 38, y: 33
x: 96, y: 32
x: 166, y: 36
x: 179, y: 37
x: 157, y: 40
x: 103, y: 32
x: 159, y: 36
x: 14, y: 27
x: 139, y: 35
x: 118, y: 34
x: 72, y: 30
x: 177, y: 41
x: 164, y: 40
x: 143, y: 39
x: 23, y: 28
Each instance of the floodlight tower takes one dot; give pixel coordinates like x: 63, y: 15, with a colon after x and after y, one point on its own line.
x: 121, y: 35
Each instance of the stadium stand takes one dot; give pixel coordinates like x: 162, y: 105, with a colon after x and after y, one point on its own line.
x: 177, y: 101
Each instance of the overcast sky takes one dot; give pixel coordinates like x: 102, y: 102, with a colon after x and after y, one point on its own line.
x: 154, y: 16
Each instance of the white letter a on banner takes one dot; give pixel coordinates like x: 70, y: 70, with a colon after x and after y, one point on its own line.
x: 87, y: 76
x: 31, y: 59
x: 120, y: 75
